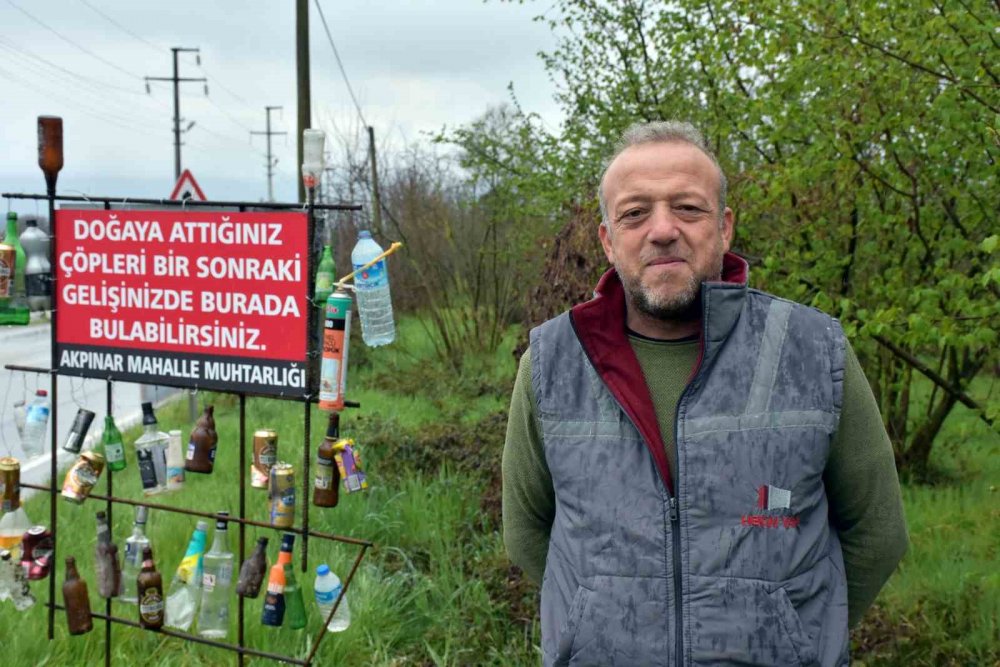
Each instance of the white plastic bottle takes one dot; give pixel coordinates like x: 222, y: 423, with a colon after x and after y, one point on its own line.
x: 36, y: 425
x: 372, y: 288
x: 327, y: 587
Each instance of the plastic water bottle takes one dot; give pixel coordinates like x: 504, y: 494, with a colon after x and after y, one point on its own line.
x: 372, y: 288
x: 327, y: 587
x: 36, y: 425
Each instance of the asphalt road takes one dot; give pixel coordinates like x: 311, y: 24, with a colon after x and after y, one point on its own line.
x: 30, y: 346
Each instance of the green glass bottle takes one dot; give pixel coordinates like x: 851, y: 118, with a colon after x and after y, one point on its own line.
x: 114, y: 449
x: 295, y: 609
x: 14, y: 310
x: 325, y: 275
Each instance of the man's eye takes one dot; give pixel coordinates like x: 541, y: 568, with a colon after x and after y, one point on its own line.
x: 632, y: 214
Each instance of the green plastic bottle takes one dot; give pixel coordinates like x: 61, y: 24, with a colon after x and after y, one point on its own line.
x: 114, y: 449
x: 295, y: 609
x: 14, y: 310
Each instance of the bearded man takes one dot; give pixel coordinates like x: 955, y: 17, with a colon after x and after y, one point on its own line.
x: 696, y: 471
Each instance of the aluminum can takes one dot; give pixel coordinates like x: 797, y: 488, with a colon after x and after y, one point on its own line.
x: 336, y: 340
x: 82, y: 477
x: 10, y: 484
x: 265, y: 455
x: 282, y: 495
x: 7, y: 270
x: 36, y: 552
x: 78, y: 431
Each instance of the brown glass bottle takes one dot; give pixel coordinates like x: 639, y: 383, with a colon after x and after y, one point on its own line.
x: 253, y: 570
x: 201, y: 444
x: 326, y: 488
x: 76, y: 600
x: 150, y: 592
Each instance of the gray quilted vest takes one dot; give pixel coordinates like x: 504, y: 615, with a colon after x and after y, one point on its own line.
x: 737, y: 566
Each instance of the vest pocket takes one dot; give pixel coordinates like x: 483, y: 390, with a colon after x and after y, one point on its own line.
x: 570, y: 631
x: 745, y: 622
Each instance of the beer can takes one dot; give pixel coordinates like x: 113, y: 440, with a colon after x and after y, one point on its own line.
x: 7, y: 270
x: 83, y: 476
x: 265, y: 455
x: 336, y: 339
x: 282, y: 495
x: 10, y: 484
x: 36, y: 552
x: 78, y: 431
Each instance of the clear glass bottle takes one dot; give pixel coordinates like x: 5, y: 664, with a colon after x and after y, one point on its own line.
x: 151, y: 452
x: 216, y: 583
x: 185, y: 589
x: 133, y: 556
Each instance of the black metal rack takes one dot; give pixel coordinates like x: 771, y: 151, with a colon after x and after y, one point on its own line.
x: 307, y: 398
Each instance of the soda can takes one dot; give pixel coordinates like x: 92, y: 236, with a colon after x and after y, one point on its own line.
x: 265, y: 455
x: 10, y: 484
x: 336, y: 339
x: 78, y: 431
x: 82, y: 477
x: 36, y: 552
x: 282, y: 494
x: 7, y: 270
x: 349, y: 463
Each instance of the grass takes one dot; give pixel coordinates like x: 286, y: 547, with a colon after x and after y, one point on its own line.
x: 437, y: 589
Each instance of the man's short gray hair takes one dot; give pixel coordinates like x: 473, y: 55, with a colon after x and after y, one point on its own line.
x: 661, y: 131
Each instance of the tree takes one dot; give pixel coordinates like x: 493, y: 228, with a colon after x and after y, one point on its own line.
x: 861, y: 143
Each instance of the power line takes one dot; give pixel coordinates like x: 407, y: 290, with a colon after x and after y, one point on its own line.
x: 70, y: 41
x: 340, y: 65
x: 159, y: 49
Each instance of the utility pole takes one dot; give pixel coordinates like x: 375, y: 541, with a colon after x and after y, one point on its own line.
x: 176, y: 79
x: 376, y: 199
x: 270, y: 161
x: 302, y: 75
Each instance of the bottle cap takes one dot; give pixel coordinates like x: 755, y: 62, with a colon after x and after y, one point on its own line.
x: 12, y: 215
x: 147, y: 414
x: 262, y: 541
x: 41, y: 392
x: 202, y: 526
x: 141, y: 513
x: 221, y: 524
x: 173, y: 434
x: 287, y: 541
x: 101, y: 516
x: 5, y: 554
x: 323, y: 570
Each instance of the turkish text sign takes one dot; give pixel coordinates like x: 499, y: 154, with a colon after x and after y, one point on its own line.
x: 210, y: 300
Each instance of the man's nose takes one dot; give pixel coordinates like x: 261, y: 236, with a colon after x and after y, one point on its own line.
x: 664, y: 225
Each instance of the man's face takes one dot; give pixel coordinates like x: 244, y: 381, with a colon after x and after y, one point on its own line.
x: 665, y: 237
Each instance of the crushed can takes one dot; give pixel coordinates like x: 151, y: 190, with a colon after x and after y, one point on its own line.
x: 82, y: 477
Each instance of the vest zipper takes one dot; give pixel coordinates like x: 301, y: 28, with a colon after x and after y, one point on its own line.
x: 675, y: 534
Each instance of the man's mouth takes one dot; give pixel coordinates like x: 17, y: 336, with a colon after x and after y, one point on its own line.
x: 658, y: 261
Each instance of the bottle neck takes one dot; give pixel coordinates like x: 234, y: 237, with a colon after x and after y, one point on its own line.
x: 284, y: 557
x: 11, y: 229
x: 139, y: 530
x: 221, y: 540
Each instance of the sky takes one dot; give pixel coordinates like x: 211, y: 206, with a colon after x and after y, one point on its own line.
x: 415, y: 66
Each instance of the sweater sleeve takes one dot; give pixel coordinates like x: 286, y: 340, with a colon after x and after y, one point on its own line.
x: 528, y: 498
x: 866, y: 506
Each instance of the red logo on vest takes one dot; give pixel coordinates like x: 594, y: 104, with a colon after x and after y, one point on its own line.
x: 771, y: 499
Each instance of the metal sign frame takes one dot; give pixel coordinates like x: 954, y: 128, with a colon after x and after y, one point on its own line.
x: 307, y: 399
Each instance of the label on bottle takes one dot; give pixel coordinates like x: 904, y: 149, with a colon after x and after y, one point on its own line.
x: 147, y: 469
x: 38, y: 413
x: 114, y: 452
x: 7, y: 260
x: 324, y: 474
x: 131, y: 553
x: 324, y: 281
x: 326, y: 597
x: 175, y: 476
x: 371, y: 278
x: 211, y: 454
x: 191, y: 448
x: 38, y: 284
x: 151, y: 605
x: 208, y: 582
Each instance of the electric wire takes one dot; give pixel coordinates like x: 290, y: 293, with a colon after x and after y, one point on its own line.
x: 159, y: 49
x: 340, y: 65
x: 70, y: 41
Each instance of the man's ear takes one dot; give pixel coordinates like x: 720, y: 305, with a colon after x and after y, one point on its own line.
x: 728, y: 227
x: 605, y: 235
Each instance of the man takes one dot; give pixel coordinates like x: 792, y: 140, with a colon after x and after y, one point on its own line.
x: 699, y: 468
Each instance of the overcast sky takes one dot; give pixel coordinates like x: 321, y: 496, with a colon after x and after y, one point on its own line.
x: 415, y: 66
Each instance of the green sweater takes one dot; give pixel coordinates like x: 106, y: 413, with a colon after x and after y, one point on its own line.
x: 866, y: 507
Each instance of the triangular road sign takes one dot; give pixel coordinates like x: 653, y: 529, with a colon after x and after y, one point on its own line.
x: 187, y: 188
